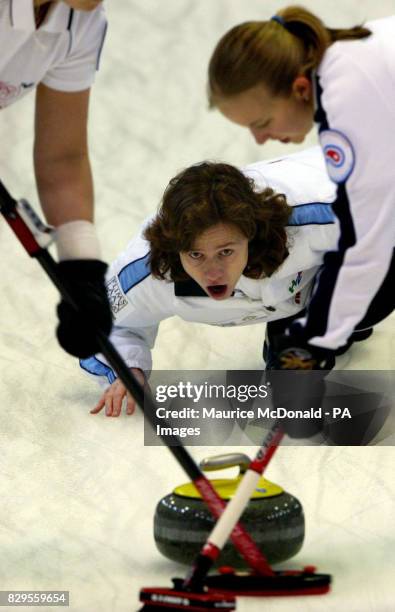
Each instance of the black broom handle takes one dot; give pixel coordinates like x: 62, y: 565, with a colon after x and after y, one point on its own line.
x: 143, y: 398
x: 240, y: 537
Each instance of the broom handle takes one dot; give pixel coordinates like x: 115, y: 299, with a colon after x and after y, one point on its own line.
x: 22, y: 225
x: 234, y: 509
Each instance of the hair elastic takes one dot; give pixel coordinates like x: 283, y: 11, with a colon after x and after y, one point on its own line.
x: 278, y: 19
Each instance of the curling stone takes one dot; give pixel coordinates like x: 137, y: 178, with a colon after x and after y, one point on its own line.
x: 273, y: 518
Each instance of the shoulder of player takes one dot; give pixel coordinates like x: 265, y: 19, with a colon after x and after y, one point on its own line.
x: 301, y: 176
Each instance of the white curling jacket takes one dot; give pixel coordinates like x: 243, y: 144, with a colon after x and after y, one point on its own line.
x: 63, y: 53
x: 355, y: 86
x: 140, y: 302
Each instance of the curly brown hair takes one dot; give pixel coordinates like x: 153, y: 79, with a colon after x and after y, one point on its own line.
x: 209, y: 193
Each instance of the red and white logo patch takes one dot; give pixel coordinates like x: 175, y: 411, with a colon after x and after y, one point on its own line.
x: 8, y: 93
x: 339, y: 155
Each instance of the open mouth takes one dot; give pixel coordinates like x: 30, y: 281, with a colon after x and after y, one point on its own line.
x: 217, y: 291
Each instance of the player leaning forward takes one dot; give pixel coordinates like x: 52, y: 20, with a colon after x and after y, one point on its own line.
x: 54, y: 48
x: 275, y: 77
x: 226, y: 248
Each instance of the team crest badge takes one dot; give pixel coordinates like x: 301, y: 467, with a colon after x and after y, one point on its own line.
x: 8, y: 93
x: 339, y: 155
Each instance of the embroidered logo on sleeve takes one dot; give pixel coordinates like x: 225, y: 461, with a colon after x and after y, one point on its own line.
x: 115, y: 296
x: 295, y: 283
x: 9, y: 93
x: 339, y: 155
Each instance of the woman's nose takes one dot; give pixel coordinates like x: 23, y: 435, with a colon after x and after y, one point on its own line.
x: 213, y: 272
x: 260, y: 136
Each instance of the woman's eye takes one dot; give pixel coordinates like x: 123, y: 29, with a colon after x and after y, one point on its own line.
x: 194, y: 255
x: 226, y: 252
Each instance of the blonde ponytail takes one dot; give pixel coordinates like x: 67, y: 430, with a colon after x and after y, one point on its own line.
x: 272, y: 53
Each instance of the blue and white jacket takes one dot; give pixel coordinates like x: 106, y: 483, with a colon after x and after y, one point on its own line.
x: 140, y: 302
x: 355, y: 111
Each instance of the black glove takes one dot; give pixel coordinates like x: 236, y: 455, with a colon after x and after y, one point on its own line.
x: 300, y: 386
x: 293, y: 352
x: 76, y: 332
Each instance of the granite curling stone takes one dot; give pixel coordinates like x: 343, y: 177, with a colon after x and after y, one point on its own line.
x: 274, y: 518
